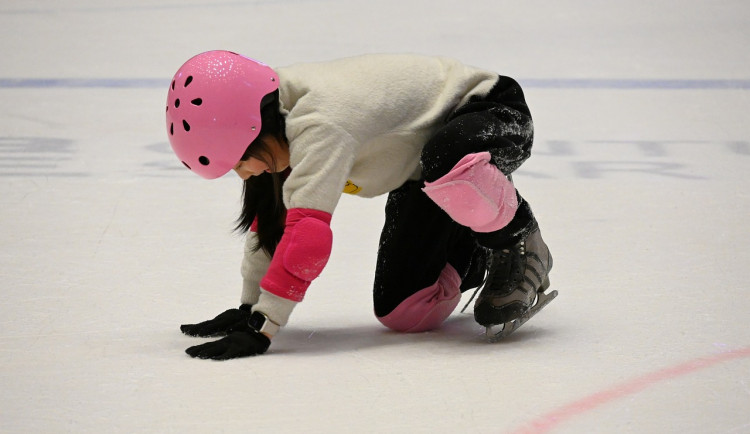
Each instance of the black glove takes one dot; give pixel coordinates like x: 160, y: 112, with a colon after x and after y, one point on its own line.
x: 242, y: 341
x: 221, y: 324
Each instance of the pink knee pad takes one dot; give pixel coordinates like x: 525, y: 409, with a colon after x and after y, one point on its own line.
x: 429, y: 307
x: 476, y: 194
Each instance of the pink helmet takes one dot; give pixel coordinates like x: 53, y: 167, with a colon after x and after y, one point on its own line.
x: 213, y: 110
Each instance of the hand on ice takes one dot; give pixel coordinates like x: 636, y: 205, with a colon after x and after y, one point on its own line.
x: 242, y: 341
x: 219, y: 325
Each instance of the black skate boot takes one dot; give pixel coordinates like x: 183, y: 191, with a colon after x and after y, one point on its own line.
x: 517, y: 277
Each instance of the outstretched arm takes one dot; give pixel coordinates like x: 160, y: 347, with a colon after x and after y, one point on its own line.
x: 300, y: 257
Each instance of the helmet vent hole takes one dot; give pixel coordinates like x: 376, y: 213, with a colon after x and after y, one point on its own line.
x: 197, y: 101
x: 188, y: 80
x: 177, y: 103
x: 186, y: 165
x: 185, y: 125
x: 172, y: 84
x: 203, y: 160
x: 171, y: 129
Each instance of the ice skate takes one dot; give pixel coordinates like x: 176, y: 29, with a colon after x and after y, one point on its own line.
x: 514, y: 290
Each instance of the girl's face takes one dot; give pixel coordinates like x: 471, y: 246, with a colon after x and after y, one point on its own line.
x: 251, y: 167
x: 254, y: 166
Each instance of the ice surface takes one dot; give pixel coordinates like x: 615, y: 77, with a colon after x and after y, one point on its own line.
x: 640, y: 186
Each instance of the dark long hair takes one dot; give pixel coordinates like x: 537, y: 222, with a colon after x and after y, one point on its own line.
x: 262, y: 201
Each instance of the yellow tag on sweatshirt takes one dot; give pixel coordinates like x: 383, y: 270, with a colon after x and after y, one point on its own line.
x: 351, y: 188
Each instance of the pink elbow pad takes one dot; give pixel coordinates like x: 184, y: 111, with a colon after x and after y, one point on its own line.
x: 301, y: 255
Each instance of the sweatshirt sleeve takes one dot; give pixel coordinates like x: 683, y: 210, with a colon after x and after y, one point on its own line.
x: 254, y: 267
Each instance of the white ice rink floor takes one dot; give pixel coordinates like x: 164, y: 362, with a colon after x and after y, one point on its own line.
x: 639, y: 179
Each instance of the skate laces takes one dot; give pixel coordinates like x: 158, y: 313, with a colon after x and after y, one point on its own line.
x: 474, y: 294
x: 502, y: 257
x: 500, y: 260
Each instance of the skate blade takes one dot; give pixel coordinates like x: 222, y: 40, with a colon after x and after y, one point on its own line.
x: 543, y: 299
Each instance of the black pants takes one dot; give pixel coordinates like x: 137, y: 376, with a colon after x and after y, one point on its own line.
x: 418, y: 237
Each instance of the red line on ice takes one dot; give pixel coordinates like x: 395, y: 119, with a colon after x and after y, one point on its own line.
x: 550, y: 420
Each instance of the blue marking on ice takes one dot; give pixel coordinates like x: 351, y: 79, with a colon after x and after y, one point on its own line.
x: 72, y: 83
x: 658, y: 84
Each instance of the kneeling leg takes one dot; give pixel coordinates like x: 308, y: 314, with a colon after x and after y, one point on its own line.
x: 422, y: 259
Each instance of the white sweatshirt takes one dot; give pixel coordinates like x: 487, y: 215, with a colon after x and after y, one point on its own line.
x: 359, y: 124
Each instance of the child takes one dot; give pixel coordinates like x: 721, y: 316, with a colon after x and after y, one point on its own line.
x: 439, y: 137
